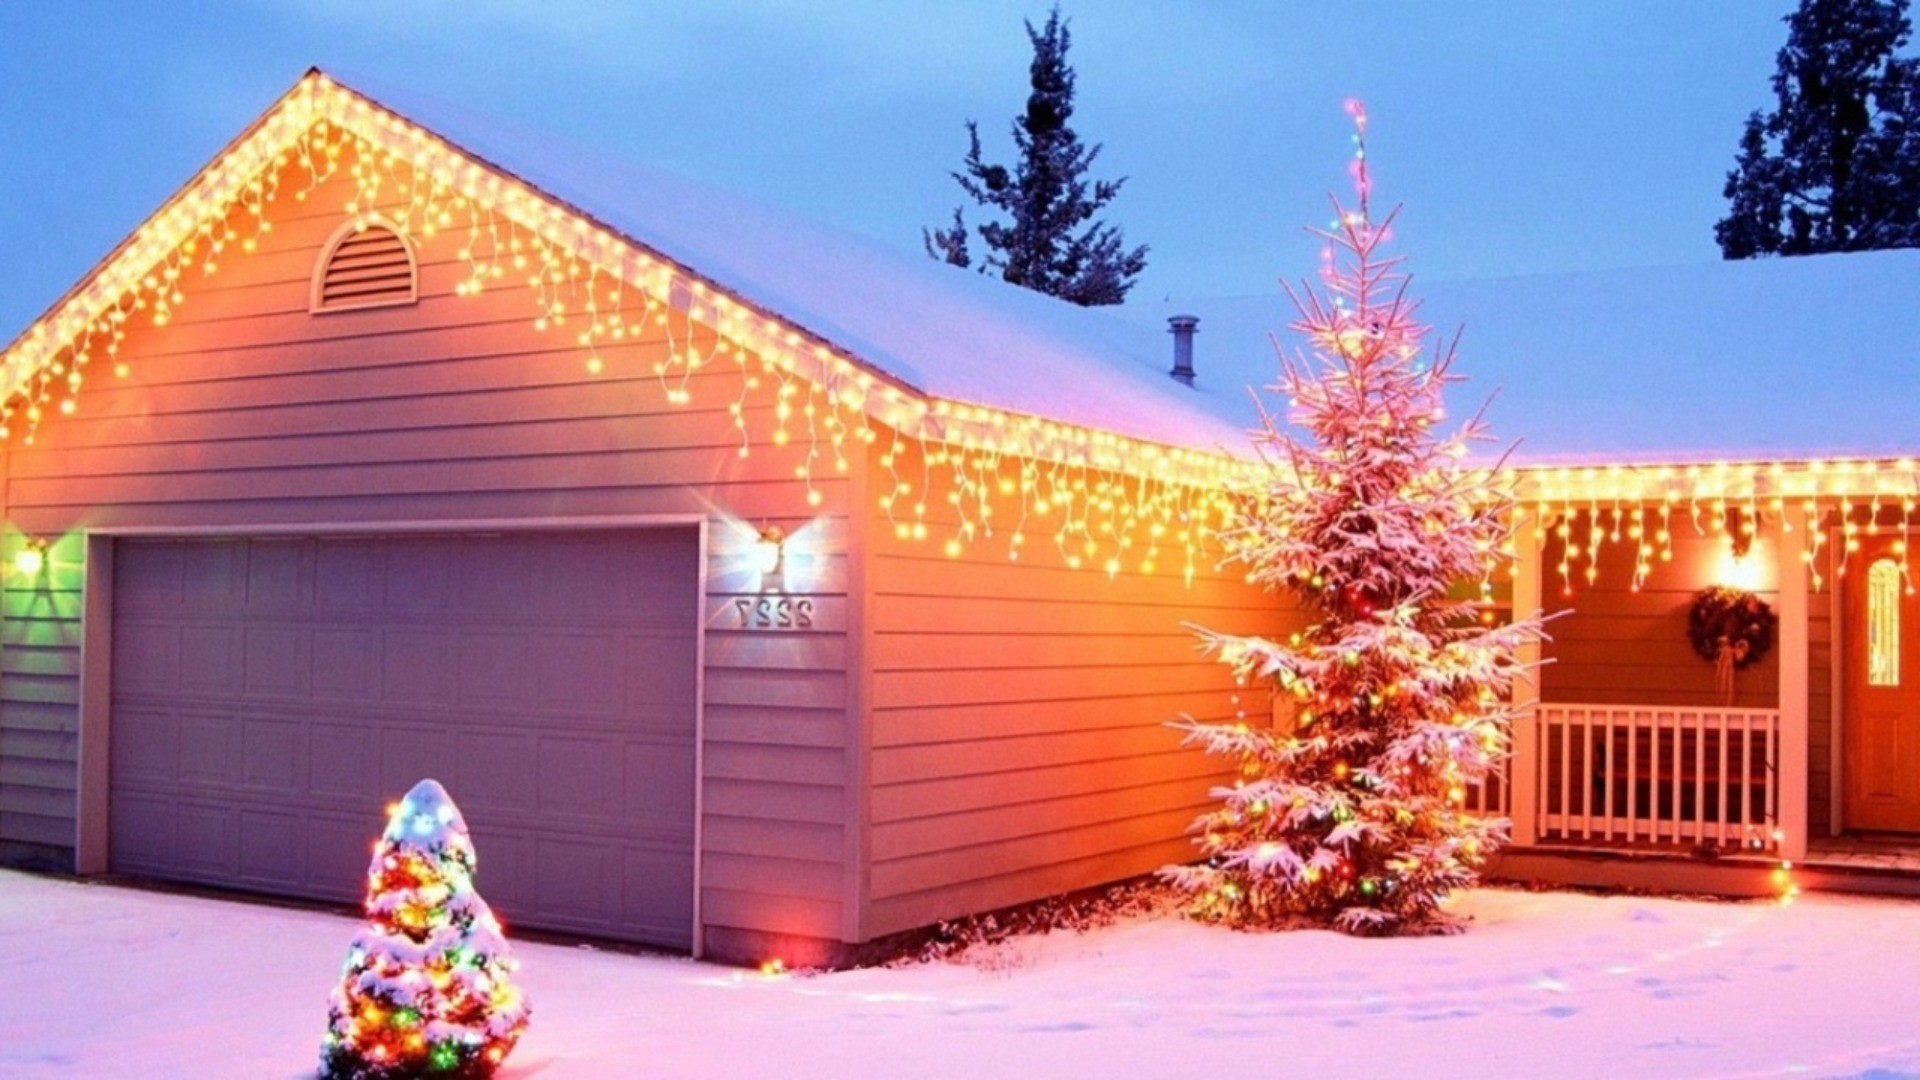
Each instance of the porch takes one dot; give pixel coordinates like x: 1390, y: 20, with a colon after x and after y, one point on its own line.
x: 1621, y: 774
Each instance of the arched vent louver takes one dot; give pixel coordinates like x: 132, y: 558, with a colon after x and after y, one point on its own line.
x: 365, y: 264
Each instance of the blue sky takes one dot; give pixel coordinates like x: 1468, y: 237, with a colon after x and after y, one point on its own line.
x: 1521, y: 136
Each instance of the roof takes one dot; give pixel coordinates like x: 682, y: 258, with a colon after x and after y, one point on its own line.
x: 1762, y: 360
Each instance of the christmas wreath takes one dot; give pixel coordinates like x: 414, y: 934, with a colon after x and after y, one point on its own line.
x: 1729, y: 626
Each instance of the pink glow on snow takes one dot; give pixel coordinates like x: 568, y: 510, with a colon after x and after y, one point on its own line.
x: 107, y: 981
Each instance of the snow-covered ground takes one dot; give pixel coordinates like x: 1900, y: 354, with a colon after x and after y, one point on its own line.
x: 100, y: 981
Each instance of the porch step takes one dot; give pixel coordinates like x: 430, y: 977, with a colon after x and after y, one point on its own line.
x: 1669, y: 871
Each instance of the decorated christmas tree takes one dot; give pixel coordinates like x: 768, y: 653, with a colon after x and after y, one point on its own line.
x: 1353, y: 814
x: 427, y: 990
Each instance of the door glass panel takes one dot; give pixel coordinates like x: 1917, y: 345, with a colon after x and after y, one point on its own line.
x: 1883, y: 624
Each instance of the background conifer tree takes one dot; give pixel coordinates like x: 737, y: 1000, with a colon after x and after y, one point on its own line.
x: 1049, y: 239
x: 1835, y: 165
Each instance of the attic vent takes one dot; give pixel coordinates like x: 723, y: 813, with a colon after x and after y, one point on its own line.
x: 365, y: 264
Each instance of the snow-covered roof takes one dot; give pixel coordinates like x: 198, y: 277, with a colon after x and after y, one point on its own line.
x: 1762, y: 360
x: 1782, y: 359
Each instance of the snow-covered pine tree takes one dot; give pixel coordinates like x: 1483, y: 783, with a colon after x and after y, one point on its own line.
x: 1354, y: 817
x: 1835, y: 166
x: 1050, y: 242
x: 427, y: 988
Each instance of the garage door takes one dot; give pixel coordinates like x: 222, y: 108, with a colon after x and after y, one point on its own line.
x: 271, y: 696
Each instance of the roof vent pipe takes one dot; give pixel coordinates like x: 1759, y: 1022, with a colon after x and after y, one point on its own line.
x: 1183, y: 327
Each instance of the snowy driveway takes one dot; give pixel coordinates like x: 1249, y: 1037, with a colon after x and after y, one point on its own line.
x: 100, y: 981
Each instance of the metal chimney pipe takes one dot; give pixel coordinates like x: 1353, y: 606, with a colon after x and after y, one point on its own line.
x: 1183, y: 327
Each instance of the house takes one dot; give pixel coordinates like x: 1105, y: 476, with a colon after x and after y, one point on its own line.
x: 762, y: 591
x: 757, y: 590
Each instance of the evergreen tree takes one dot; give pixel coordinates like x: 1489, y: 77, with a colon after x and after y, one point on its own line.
x: 1836, y: 165
x: 1051, y: 241
x: 1355, y: 816
x: 427, y: 988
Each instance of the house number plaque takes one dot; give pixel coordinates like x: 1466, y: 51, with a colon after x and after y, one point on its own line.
x: 774, y: 612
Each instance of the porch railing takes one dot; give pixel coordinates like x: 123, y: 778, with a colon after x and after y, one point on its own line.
x: 1646, y: 775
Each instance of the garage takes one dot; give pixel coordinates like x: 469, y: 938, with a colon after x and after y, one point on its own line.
x: 270, y: 695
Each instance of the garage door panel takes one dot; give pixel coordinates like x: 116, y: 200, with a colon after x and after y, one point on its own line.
x: 657, y: 891
x: 272, y: 848
x: 493, y: 771
x: 348, y: 576
x: 417, y: 579
x: 209, y: 750
x: 650, y: 659
x: 145, y: 746
x: 576, y: 882
x: 344, y: 667
x: 417, y: 666
x: 271, y: 752
x: 579, y: 777
x: 277, y: 577
x: 583, y: 672
x: 271, y: 696
x: 409, y: 754
x: 141, y: 832
x: 338, y: 850
x: 212, y: 576
x: 149, y: 657
x: 206, y: 841
x: 342, y: 760
x: 151, y: 582
x: 497, y: 671
x: 279, y: 661
x: 659, y: 781
x: 208, y: 659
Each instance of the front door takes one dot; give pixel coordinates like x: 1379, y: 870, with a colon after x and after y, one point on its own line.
x: 1882, y: 691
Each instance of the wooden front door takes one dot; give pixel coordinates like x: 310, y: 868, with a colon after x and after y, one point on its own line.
x: 1882, y: 690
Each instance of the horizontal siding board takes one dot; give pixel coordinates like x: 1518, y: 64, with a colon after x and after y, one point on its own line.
x: 48, y: 772
x: 804, y: 878
x: 638, y: 468
x: 770, y: 912
x: 806, y: 728
x: 988, y: 757
x: 961, y: 686
x: 792, y: 764
x: 1012, y: 648
x: 38, y: 800
x: 28, y: 746
x: 1093, y: 615
x: 36, y: 829
x: 900, y: 839
x: 778, y: 799
x: 895, y: 913
x: 37, y: 716
x: 42, y: 689
x: 958, y: 864
x: 922, y: 726
x: 820, y: 843
x: 899, y: 802
x: 777, y: 689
